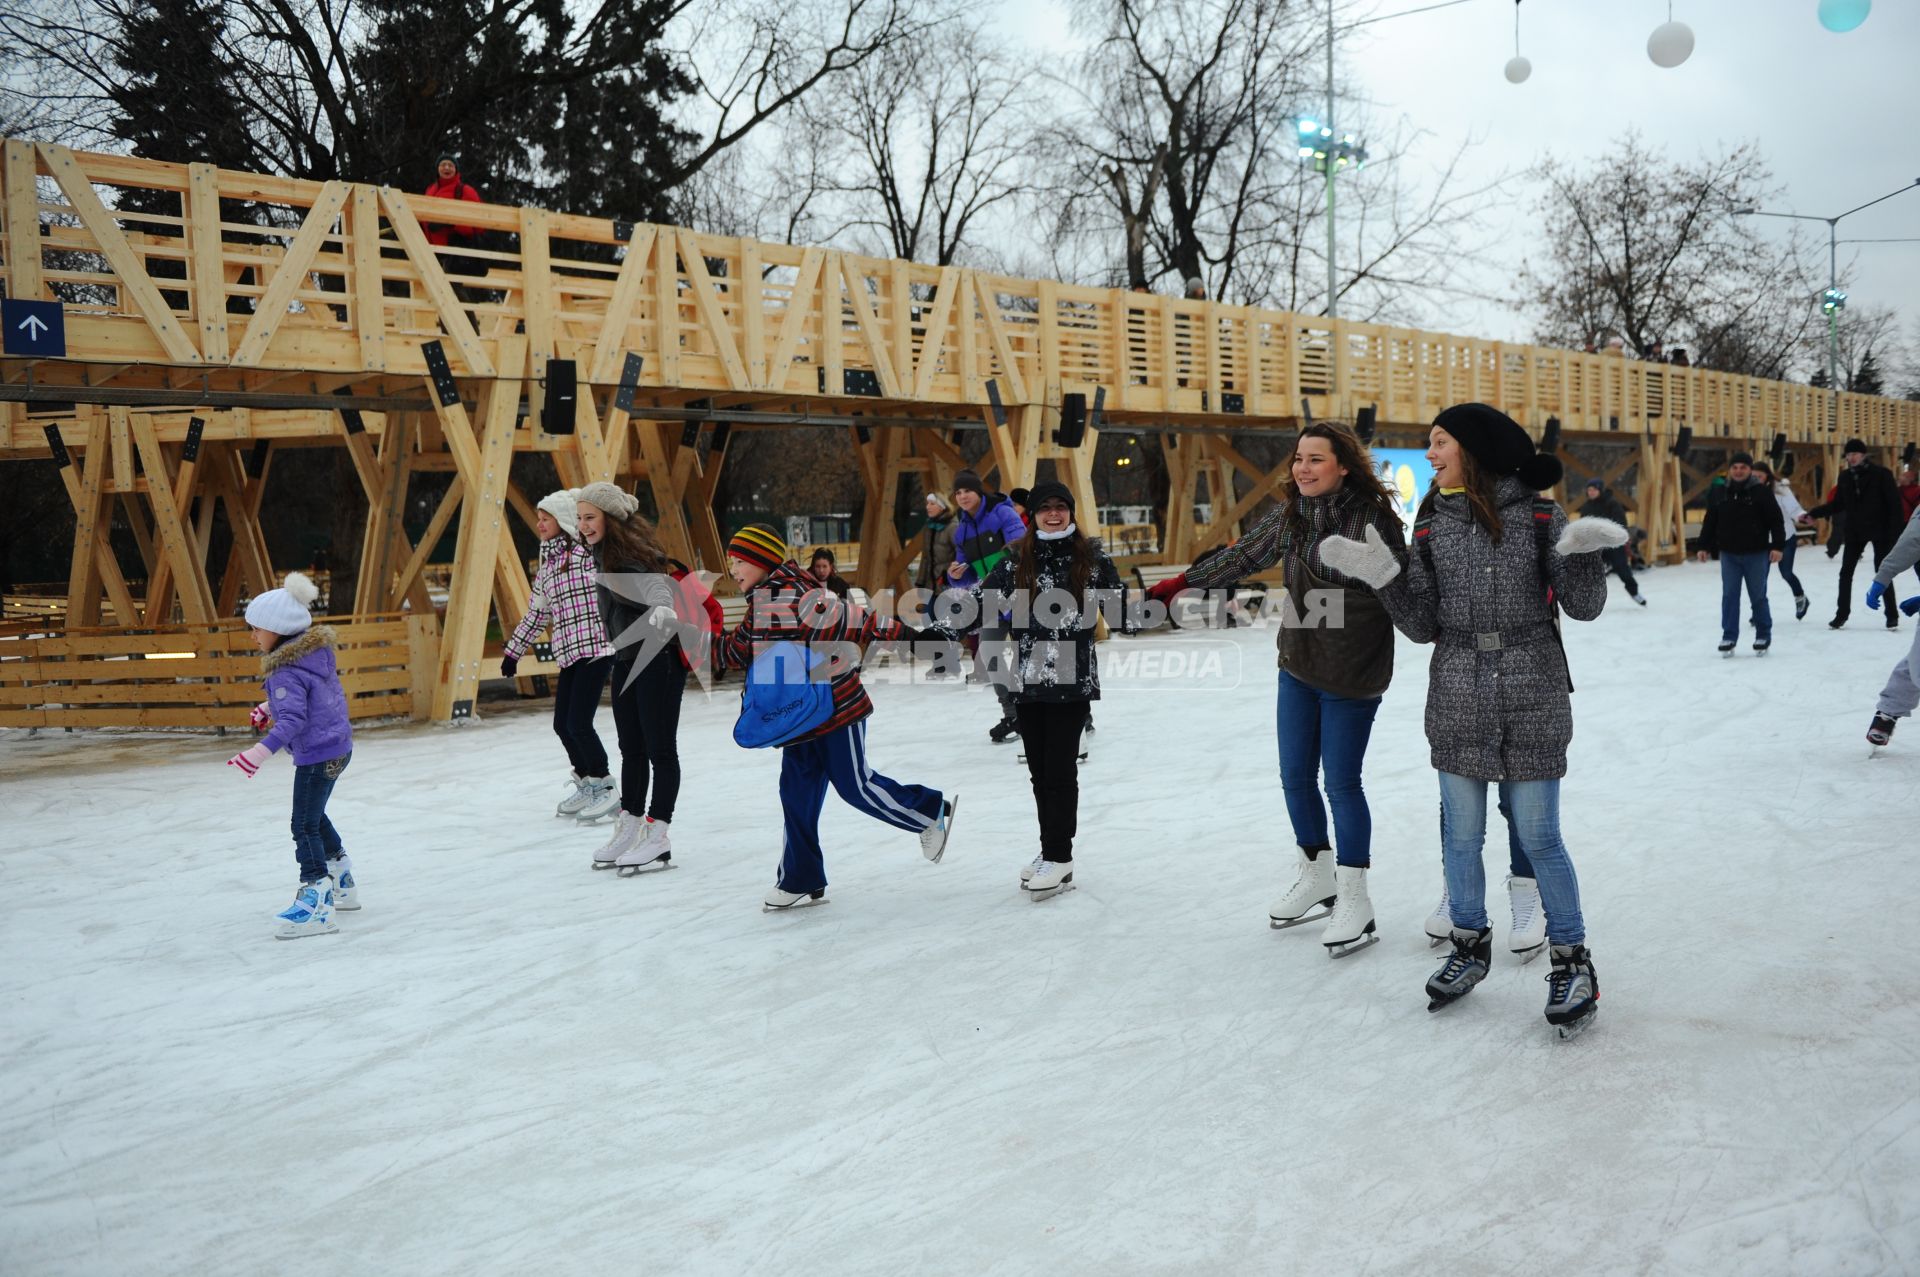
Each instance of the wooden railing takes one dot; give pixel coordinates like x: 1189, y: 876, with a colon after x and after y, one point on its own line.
x: 198, y: 675
x: 338, y: 280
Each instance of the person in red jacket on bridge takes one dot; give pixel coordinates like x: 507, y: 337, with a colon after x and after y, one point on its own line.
x: 449, y: 185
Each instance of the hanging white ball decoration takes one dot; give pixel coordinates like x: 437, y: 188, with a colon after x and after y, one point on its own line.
x: 1841, y: 16
x: 1518, y: 69
x: 1670, y: 44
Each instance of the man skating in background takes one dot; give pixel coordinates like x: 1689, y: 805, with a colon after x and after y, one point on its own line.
x: 1746, y: 531
x: 1601, y: 503
x: 1868, y: 497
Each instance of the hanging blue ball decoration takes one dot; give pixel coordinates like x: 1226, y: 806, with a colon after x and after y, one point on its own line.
x: 1841, y: 16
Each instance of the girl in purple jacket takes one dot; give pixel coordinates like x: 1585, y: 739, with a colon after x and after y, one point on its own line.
x: 305, y: 711
x: 566, y: 602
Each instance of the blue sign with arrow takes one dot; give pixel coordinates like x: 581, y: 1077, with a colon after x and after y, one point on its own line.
x: 37, y: 330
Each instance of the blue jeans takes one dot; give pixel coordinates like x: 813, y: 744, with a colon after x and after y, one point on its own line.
x: 1535, y: 820
x: 1750, y: 569
x: 315, y: 841
x: 1318, y: 732
x: 1786, y: 566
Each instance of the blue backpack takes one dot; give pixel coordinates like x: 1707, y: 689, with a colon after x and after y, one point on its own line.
x: 783, y: 701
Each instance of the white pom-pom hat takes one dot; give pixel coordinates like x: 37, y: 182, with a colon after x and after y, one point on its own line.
x: 285, y: 611
x: 564, y: 509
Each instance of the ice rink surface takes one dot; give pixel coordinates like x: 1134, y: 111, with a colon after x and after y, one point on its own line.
x: 507, y: 1063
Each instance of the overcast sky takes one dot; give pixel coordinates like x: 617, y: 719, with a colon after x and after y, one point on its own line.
x: 1837, y: 116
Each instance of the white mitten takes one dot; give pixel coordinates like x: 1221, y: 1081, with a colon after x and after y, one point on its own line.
x: 1372, y: 562
x: 1584, y: 536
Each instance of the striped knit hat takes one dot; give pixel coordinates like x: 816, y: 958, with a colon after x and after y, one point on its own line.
x: 759, y: 543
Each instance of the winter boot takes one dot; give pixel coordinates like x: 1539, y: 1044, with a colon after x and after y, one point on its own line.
x: 933, y: 839
x: 346, y: 891
x: 603, y: 799
x: 626, y: 831
x: 1573, y: 989
x: 1440, y: 921
x: 1351, y: 927
x: 1050, y: 879
x: 1312, y: 889
x: 1880, y: 731
x: 778, y: 900
x: 1465, y: 967
x: 1529, y: 935
x: 650, y: 850
x: 310, y: 914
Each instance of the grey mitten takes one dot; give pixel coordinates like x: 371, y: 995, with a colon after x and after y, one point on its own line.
x: 1372, y: 561
x: 1584, y: 536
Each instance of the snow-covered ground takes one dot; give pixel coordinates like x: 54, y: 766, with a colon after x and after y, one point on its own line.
x: 506, y: 1062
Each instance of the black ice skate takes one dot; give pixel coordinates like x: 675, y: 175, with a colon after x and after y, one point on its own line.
x: 1726, y: 648
x: 1465, y: 967
x: 1879, y: 732
x: 1760, y: 646
x: 1003, y: 731
x: 1573, y: 990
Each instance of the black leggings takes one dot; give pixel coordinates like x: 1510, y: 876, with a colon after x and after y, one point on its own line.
x: 576, y: 699
x: 1051, y: 732
x: 646, y: 714
x: 1851, y: 559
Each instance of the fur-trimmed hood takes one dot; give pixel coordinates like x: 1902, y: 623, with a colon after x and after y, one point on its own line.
x: 320, y: 636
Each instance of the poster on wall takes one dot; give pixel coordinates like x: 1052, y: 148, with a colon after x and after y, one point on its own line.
x: 1406, y: 472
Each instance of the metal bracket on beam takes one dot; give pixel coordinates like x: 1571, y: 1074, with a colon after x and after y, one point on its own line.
x: 629, y: 382
x: 61, y: 457
x: 190, y: 447
x: 993, y: 399
x: 441, y: 373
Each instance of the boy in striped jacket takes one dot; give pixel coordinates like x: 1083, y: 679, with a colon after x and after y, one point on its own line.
x: 784, y: 602
x: 566, y: 602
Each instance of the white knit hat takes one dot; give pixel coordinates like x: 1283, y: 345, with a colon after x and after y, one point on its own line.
x: 284, y: 611
x: 565, y: 511
x: 608, y: 499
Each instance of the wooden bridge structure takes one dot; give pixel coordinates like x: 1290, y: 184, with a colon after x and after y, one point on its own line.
x: 214, y: 320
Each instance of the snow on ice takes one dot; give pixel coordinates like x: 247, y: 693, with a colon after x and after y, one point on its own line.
x: 506, y: 1061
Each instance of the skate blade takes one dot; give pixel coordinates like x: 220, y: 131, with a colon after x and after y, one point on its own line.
x: 1574, y: 1028
x: 798, y: 904
x: 1276, y: 924
x: 606, y: 864
x: 651, y: 867
x: 1434, y: 942
x: 1528, y: 955
x: 324, y: 929
x: 1048, y: 893
x: 1347, y: 948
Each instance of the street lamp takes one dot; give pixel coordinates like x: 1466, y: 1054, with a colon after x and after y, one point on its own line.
x: 1833, y: 300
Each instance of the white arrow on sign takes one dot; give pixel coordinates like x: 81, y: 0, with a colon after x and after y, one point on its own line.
x: 33, y: 326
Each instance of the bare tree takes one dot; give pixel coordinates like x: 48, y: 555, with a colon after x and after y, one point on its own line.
x: 1649, y: 248
x: 935, y: 135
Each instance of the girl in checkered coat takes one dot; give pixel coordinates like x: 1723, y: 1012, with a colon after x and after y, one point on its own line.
x: 566, y: 603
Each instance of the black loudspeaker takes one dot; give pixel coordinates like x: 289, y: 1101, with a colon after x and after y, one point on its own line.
x: 563, y: 390
x: 1363, y: 423
x: 1785, y: 469
x: 1779, y: 448
x: 863, y: 434
x: 1683, y: 444
x: 1908, y: 454
x: 1550, y: 437
x: 1073, y: 421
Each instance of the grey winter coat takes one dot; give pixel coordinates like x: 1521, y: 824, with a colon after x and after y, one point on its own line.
x: 1497, y: 703
x: 1905, y: 552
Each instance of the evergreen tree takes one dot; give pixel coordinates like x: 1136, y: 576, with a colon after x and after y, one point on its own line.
x: 1866, y: 378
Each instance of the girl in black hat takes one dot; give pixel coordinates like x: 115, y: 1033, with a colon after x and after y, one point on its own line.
x: 1057, y: 582
x: 1492, y: 564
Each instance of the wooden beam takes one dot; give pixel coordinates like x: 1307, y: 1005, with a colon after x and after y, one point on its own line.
x: 452, y: 312
x: 134, y: 284
x: 801, y: 304
x: 369, y: 296
x: 176, y: 542
x: 289, y: 273
x: 628, y: 287
x: 856, y: 285
x: 160, y: 578
x: 20, y: 218
x: 206, y: 257
x: 946, y: 297
x: 436, y: 528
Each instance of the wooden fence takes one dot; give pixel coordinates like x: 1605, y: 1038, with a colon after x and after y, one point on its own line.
x: 199, y: 675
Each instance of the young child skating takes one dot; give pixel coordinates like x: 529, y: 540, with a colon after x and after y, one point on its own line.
x: 785, y: 603
x: 566, y: 601
x: 306, y: 712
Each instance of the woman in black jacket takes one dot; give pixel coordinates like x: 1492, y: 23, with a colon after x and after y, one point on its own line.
x: 1055, y: 583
